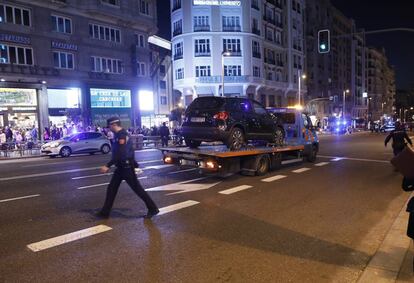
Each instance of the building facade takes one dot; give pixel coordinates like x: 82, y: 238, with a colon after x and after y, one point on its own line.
x: 257, y: 46
x: 87, y: 59
x: 381, y: 85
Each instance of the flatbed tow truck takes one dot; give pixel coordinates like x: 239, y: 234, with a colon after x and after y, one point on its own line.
x: 301, y: 144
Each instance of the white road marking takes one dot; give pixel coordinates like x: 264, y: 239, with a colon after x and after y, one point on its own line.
x: 354, y: 159
x: 177, y: 206
x: 48, y: 174
x: 187, y: 170
x: 157, y: 167
x: 148, y: 150
x: 11, y: 199
x: 103, y: 184
x: 235, y: 190
x: 67, y: 238
x: 91, y: 176
x: 52, y: 163
x: 274, y: 178
x: 292, y: 161
x: 336, y: 159
x: 184, y: 187
x: 321, y: 164
x: 301, y: 170
x: 150, y: 161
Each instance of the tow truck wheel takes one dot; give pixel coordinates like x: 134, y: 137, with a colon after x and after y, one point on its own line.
x: 312, y: 155
x: 236, y: 139
x: 279, y: 136
x: 192, y: 143
x: 263, y: 165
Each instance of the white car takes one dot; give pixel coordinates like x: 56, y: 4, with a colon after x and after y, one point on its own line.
x: 87, y: 142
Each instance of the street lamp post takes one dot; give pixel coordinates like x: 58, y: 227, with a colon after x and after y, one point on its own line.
x: 303, y: 76
x: 223, y: 54
x: 343, y: 103
x: 382, y: 107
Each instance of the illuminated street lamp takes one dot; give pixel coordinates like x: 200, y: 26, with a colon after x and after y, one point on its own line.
x: 343, y: 104
x: 223, y: 54
x: 382, y: 107
x: 300, y: 77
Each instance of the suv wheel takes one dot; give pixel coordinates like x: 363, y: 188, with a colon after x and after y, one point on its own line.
x: 192, y: 143
x: 279, y: 136
x: 65, y: 151
x: 105, y: 149
x: 236, y: 139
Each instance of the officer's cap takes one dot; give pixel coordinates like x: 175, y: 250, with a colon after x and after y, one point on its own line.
x: 113, y: 120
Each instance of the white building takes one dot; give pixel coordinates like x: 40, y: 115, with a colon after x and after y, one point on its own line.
x: 265, y: 44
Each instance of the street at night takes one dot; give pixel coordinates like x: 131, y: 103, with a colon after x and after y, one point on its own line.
x: 307, y: 222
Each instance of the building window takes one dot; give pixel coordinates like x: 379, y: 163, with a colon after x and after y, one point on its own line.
x: 176, y: 5
x: 140, y: 40
x: 255, y: 4
x: 203, y: 71
x: 111, y: 2
x: 141, y: 69
x: 163, y: 85
x: 104, y: 33
x: 61, y: 24
x: 162, y: 70
x: 201, y: 23
x: 232, y: 45
x: 10, y: 54
x: 256, y: 71
x: 14, y: 15
x: 63, y: 60
x: 177, y: 27
x: 144, y: 7
x: 270, y: 34
x: 256, y: 49
x: 179, y: 74
x: 232, y: 70
x: 163, y: 100
x: 231, y: 23
x: 202, y: 47
x: 178, y: 51
x: 106, y: 65
x: 255, y: 26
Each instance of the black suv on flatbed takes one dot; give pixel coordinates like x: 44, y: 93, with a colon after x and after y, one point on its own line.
x: 230, y: 120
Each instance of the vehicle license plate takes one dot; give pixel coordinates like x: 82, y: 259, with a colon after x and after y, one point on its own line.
x: 198, y: 119
x: 188, y: 162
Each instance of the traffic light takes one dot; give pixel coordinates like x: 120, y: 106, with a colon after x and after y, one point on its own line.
x: 324, y: 41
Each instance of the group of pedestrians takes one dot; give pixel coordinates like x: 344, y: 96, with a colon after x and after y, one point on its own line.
x: 16, y: 138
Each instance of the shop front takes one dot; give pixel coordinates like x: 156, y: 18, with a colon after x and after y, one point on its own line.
x: 19, y: 108
x: 106, y: 103
x: 64, y: 106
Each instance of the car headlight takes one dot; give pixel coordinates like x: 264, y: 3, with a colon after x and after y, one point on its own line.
x: 54, y: 144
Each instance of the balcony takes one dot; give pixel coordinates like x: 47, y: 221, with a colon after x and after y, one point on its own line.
x: 218, y: 79
x: 275, y: 3
x: 257, y: 55
x: 201, y: 28
x: 178, y: 56
x: 256, y: 31
x: 279, y: 24
x: 177, y: 32
x: 202, y: 54
x: 279, y: 64
x: 232, y: 28
x: 270, y: 61
x: 269, y: 19
x: 176, y: 7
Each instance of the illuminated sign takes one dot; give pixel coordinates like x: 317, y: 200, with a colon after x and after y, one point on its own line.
x: 110, y: 98
x: 146, y: 100
x: 18, y: 97
x: 216, y: 3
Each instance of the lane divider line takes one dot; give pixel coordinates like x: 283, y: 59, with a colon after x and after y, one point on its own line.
x: 235, y: 190
x: 67, y: 238
x: 48, y: 174
x: 18, y: 198
x: 91, y: 176
x: 53, y: 163
x: 177, y: 206
x: 301, y: 170
x: 274, y: 178
x: 103, y: 184
x: 187, y: 170
x: 321, y: 164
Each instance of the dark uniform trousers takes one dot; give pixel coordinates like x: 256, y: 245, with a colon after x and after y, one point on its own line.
x: 127, y: 174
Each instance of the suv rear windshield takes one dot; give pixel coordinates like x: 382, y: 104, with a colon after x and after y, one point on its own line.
x: 206, y: 103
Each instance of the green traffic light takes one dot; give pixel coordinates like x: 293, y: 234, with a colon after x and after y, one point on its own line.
x: 323, y: 46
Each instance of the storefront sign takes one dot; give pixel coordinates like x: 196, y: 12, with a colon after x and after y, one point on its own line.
x: 24, y: 108
x: 18, y: 97
x: 64, y: 98
x: 216, y: 3
x: 100, y: 116
x: 66, y: 46
x: 110, y: 98
x: 28, y: 70
x: 14, y: 38
x: 4, y: 109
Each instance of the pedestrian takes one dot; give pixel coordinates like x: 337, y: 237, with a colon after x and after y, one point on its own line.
x: 165, y: 134
x: 123, y: 157
x: 398, y: 136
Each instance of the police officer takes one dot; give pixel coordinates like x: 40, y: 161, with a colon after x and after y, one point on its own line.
x: 165, y: 134
x: 123, y: 158
x: 399, y: 135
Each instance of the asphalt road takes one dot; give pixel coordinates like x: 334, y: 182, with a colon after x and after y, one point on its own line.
x: 318, y: 222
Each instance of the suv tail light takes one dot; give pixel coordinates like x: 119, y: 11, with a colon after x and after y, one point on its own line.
x: 221, y: 115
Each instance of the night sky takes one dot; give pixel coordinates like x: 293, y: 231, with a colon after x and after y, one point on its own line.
x: 369, y: 15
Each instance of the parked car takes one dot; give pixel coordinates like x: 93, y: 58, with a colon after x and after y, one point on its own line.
x: 230, y: 120
x: 88, y: 142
